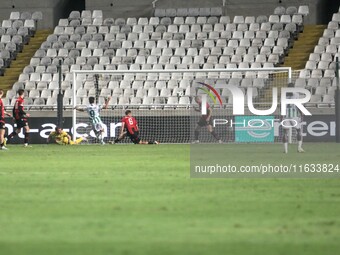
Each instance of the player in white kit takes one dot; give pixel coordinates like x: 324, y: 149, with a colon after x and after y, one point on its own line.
x: 93, y: 111
x: 292, y: 120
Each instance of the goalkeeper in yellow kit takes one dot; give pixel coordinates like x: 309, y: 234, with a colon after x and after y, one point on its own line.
x: 59, y: 136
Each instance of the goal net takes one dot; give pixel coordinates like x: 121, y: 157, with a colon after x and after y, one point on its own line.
x: 164, y: 103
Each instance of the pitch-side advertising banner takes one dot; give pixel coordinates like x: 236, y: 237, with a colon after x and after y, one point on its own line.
x: 176, y: 129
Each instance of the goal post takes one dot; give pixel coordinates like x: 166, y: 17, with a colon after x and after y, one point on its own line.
x: 163, y: 101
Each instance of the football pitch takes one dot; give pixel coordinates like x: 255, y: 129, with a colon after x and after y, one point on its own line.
x: 130, y: 199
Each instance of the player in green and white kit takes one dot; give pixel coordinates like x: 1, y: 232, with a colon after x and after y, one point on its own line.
x: 293, y: 119
x: 93, y: 111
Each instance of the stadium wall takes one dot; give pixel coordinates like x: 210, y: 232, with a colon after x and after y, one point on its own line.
x: 53, y: 10
x: 320, y: 10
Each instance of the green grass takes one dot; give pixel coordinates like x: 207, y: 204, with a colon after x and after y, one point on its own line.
x: 119, y: 199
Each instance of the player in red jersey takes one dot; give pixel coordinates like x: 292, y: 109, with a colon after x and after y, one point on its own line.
x: 20, y: 118
x: 2, y: 122
x: 205, y: 121
x: 130, y: 129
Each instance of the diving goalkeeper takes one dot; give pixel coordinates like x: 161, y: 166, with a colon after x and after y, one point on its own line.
x: 60, y: 137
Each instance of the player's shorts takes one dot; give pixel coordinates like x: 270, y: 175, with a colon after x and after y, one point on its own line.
x: 134, y: 137
x: 294, y: 122
x: 2, y: 125
x: 98, y: 126
x: 21, y: 123
x: 65, y: 140
x: 203, y: 122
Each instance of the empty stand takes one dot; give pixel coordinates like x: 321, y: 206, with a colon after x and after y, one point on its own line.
x: 16, y: 33
x: 183, y: 38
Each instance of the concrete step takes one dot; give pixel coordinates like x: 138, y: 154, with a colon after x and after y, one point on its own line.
x: 302, y: 48
x: 23, y: 59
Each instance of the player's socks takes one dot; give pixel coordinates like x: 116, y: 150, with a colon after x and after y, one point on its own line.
x: 152, y: 142
x: 11, y: 135
x: 2, y: 146
x: 215, y: 135
x: 77, y: 141
x: 301, y: 150
x: 101, y: 139
x: 285, y: 145
x: 27, y: 136
x: 300, y: 147
x: 196, y: 134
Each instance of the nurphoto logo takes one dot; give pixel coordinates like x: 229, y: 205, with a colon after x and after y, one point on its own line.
x: 239, y: 100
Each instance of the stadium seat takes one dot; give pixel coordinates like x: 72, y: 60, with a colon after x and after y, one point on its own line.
x: 33, y: 93
x: 291, y: 10
x: 304, y: 10
x: 147, y: 100
x: 261, y: 19
x: 280, y: 10
x: 249, y: 20
x: 122, y: 100
x: 315, y: 100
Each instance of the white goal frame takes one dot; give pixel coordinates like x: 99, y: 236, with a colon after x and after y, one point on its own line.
x: 122, y: 72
